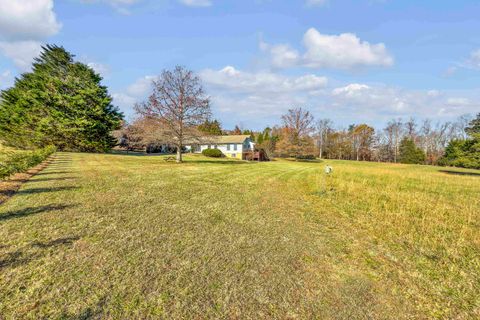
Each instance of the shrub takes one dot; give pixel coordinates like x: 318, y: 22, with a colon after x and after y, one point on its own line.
x: 463, y: 153
x: 16, y: 162
x: 305, y: 157
x: 212, y: 153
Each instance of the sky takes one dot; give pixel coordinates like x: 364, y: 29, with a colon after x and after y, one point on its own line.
x: 352, y: 61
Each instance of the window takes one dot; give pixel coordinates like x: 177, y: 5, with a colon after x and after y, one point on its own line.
x: 215, y: 147
x: 235, y: 147
x: 208, y: 147
x: 234, y: 155
x: 228, y: 146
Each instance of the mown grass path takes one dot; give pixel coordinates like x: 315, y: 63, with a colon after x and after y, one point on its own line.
x: 118, y: 236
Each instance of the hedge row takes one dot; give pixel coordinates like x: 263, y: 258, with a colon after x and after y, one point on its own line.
x: 16, y: 162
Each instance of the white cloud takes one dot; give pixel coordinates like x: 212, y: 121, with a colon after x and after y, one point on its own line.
x: 6, y: 79
x: 124, y: 101
x: 253, y: 97
x: 196, y: 3
x: 474, y: 59
x: 344, y: 51
x: 384, y: 101
x: 260, y: 98
x: 282, y: 55
x: 433, y: 93
x: 232, y: 79
x: 21, y: 52
x: 134, y: 93
x: 350, y: 90
x: 23, y: 26
x: 458, y: 102
x: 27, y: 19
x: 141, y: 87
x: 99, y: 68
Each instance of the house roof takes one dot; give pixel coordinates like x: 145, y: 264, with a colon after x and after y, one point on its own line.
x: 220, y: 139
x: 230, y: 139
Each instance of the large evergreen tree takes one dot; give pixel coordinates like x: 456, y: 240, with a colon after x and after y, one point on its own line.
x: 211, y: 127
x: 410, y: 153
x: 61, y: 102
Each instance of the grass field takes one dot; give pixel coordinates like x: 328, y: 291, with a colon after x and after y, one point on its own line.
x: 117, y: 236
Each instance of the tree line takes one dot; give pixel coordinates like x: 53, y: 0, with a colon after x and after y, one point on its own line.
x: 406, y: 141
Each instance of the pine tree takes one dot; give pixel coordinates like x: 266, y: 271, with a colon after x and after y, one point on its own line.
x: 237, y: 130
x: 410, y: 153
x: 260, y: 138
x: 211, y: 127
x: 61, y: 102
x: 474, y: 126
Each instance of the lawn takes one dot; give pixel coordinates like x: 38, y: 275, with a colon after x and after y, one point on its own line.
x: 129, y: 236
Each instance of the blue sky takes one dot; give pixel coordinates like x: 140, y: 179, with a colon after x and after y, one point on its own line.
x: 351, y: 61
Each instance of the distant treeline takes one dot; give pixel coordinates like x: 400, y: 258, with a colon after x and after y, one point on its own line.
x: 454, y: 143
x: 443, y: 143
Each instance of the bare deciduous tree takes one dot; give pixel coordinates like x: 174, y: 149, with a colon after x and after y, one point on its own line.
x: 295, y: 133
x: 323, y: 127
x: 178, y: 104
x: 394, y: 135
x: 299, y: 121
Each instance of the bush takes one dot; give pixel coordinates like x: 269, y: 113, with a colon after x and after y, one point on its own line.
x: 212, y: 153
x: 305, y: 157
x: 16, y: 162
x: 463, y: 153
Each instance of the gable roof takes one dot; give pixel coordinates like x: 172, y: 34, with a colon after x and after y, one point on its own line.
x: 219, y: 139
x: 230, y: 139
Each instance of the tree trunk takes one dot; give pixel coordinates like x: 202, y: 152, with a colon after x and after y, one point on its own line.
x: 179, y: 154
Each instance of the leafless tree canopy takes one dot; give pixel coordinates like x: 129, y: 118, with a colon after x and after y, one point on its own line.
x: 299, y: 121
x: 323, y: 128
x: 296, y: 132
x: 178, y: 104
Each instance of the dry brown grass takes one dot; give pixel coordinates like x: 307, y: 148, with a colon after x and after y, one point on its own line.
x: 112, y: 236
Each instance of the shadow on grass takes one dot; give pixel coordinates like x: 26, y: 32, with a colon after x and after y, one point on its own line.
x: 92, y: 312
x: 44, y: 173
x: 461, y: 173
x: 20, y: 257
x: 131, y: 153
x: 15, y: 214
x: 51, y: 179
x: 14, y: 259
x: 59, y: 168
x: 56, y: 242
x: 234, y: 162
x: 43, y: 190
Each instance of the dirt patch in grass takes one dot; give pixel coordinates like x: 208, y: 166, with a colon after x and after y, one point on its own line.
x: 10, y: 186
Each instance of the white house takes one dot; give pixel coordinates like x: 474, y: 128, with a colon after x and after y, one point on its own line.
x: 235, y: 146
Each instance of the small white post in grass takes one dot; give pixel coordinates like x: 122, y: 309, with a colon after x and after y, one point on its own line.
x: 328, y: 171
